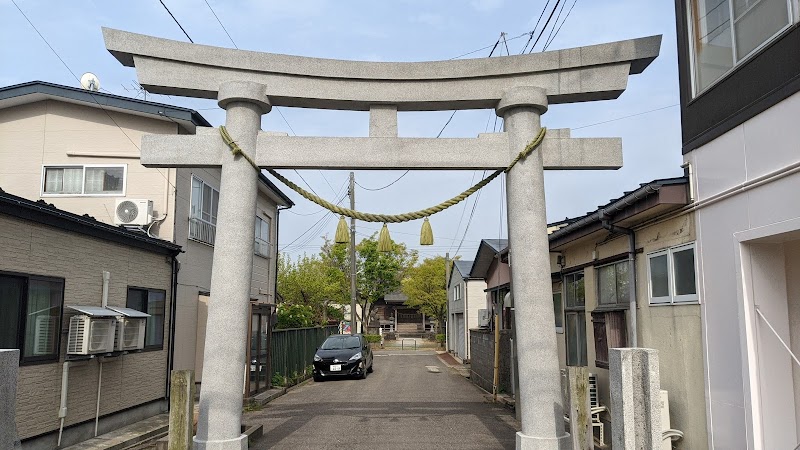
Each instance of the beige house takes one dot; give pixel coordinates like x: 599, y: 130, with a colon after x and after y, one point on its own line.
x: 592, y: 282
x: 79, y: 150
x: 53, y: 261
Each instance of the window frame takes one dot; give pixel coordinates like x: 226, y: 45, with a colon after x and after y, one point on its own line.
x: 582, y: 359
x: 793, y: 8
x: 624, y: 305
x: 199, y: 217
x: 602, y: 316
x: 259, y: 240
x: 672, y: 298
x: 457, y: 292
x: 23, y: 312
x: 164, y: 316
x: 42, y: 185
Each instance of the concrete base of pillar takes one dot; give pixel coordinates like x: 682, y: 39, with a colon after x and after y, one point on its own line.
x: 239, y: 443
x: 525, y: 442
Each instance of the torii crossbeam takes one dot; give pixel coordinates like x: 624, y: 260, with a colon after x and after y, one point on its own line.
x: 247, y: 84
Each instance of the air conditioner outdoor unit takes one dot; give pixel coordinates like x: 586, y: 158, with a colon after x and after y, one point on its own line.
x: 483, y: 318
x: 133, y: 212
x: 44, y: 336
x: 130, y: 334
x: 91, y: 335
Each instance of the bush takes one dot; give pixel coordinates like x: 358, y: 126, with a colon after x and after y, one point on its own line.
x: 441, y: 338
x: 373, y: 338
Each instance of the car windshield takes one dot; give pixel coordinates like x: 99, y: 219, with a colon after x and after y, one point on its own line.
x: 339, y: 343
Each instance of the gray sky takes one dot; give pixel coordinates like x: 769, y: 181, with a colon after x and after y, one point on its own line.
x: 404, y: 30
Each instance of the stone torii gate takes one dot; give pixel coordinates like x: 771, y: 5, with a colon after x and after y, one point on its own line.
x: 247, y: 84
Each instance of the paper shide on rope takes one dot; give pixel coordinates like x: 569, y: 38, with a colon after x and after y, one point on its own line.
x: 384, y: 241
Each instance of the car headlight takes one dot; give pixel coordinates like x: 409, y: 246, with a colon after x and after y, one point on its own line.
x: 356, y: 357
x: 317, y: 358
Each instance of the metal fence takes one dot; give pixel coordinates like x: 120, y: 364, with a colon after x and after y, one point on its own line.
x: 293, y: 349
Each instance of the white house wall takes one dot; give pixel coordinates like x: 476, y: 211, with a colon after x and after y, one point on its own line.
x: 763, y: 145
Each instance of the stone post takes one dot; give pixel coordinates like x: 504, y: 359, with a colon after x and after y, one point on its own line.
x: 219, y: 424
x: 580, y: 418
x: 635, y: 398
x: 181, y: 409
x: 9, y: 369
x: 541, y: 411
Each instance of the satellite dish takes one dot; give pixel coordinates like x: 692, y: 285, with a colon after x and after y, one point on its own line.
x: 90, y: 82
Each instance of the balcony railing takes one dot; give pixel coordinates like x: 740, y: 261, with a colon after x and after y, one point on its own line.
x: 202, y: 231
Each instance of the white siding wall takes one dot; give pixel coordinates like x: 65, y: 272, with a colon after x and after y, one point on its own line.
x: 757, y: 148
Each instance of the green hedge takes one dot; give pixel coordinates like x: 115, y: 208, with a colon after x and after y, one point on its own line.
x: 441, y: 338
x: 373, y: 338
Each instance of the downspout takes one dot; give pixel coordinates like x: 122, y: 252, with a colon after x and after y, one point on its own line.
x: 173, y: 302
x: 62, y: 410
x: 106, y: 280
x: 632, y: 338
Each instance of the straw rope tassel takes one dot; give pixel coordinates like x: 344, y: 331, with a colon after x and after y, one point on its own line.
x: 384, y: 240
x: 342, y: 232
x: 426, y: 234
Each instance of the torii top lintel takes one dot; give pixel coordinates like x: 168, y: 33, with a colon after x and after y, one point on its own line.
x: 597, y: 72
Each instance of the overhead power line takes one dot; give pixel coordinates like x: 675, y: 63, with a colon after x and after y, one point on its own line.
x: 176, y: 21
x: 220, y: 24
x: 624, y: 117
x: 544, y: 27
x: 547, y: 44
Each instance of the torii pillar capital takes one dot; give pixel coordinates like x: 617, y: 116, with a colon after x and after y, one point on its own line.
x: 539, y: 396
x: 225, y: 358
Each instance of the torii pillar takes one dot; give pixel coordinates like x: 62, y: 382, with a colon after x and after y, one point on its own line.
x: 529, y: 259
x: 247, y: 84
x: 224, y: 357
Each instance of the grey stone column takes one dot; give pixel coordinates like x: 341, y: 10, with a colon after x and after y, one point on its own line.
x: 635, y: 398
x: 542, y: 414
x: 219, y: 424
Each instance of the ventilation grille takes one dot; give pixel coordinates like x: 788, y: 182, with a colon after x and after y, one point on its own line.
x: 77, y: 334
x: 127, y: 211
x: 44, y: 337
x: 98, y: 335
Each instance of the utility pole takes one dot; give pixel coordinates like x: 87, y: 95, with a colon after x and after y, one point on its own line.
x: 353, y: 256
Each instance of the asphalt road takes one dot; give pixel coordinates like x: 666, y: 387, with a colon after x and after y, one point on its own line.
x: 402, y: 405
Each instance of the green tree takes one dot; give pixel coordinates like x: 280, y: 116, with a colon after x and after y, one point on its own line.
x: 311, y: 281
x: 295, y: 316
x: 424, y: 285
x: 380, y: 273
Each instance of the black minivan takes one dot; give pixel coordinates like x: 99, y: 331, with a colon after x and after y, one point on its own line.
x: 343, y: 355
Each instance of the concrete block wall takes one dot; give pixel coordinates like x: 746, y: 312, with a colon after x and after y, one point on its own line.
x: 482, y: 362
x: 128, y: 381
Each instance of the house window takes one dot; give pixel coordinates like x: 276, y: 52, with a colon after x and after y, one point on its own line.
x: 457, y: 293
x: 723, y: 33
x: 672, y: 275
x: 203, y: 213
x: 84, y: 180
x: 575, y: 318
x: 613, y: 285
x: 558, y: 310
x: 262, y: 247
x: 150, y: 301
x: 610, y: 331
x: 31, y: 316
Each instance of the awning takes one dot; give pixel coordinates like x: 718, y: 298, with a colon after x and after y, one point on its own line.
x: 129, y: 312
x: 95, y: 311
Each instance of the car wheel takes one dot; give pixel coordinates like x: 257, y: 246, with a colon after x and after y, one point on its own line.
x: 363, y: 374
x: 369, y: 369
x: 318, y: 378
